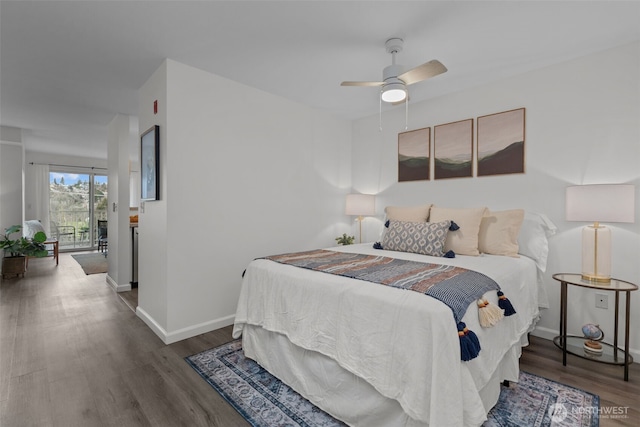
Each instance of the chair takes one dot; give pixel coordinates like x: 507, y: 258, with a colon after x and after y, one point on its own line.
x: 31, y: 227
x: 58, y: 231
x: 102, y: 236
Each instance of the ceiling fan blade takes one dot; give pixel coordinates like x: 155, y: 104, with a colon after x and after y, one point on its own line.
x: 361, y: 83
x: 423, y: 72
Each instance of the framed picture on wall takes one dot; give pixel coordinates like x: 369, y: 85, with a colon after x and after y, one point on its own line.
x: 453, y: 149
x: 150, y: 164
x: 413, y: 155
x: 501, y: 143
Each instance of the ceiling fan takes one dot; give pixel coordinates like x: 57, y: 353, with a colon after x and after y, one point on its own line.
x: 394, y: 81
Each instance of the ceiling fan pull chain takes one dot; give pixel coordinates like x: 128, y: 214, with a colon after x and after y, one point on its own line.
x: 380, y: 111
x: 406, y: 114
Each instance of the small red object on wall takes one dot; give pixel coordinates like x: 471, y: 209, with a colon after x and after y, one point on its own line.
x: 155, y: 107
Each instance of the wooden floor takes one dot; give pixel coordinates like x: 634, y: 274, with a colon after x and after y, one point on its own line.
x: 72, y: 353
x: 617, y: 397
x: 130, y: 298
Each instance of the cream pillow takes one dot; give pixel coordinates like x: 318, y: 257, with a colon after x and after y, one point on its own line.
x: 408, y: 213
x: 499, y: 232
x: 463, y: 241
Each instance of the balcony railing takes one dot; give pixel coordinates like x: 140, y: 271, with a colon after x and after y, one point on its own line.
x: 71, y: 228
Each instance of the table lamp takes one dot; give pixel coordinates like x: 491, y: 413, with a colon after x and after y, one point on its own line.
x: 599, y: 203
x: 361, y: 205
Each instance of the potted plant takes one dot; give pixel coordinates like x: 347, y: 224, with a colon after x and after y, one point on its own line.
x: 345, y: 240
x: 17, y: 250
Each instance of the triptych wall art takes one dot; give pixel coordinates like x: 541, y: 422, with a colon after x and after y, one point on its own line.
x: 453, y: 149
x: 413, y: 155
x: 499, y: 148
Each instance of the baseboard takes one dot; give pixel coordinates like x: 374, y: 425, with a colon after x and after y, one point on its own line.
x: 550, y: 334
x: 151, y: 323
x: 184, y: 333
x: 546, y: 333
x: 116, y: 287
x: 192, y: 331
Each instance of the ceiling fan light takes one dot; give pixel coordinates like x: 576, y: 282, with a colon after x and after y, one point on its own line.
x: 393, y: 92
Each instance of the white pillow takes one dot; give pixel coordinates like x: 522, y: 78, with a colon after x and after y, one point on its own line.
x: 499, y: 232
x: 408, y: 213
x: 463, y: 241
x: 31, y: 227
x: 532, y: 240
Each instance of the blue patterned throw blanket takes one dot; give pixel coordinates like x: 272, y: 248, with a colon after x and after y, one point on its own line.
x: 454, y: 286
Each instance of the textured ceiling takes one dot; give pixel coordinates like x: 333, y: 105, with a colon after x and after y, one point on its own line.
x: 66, y: 68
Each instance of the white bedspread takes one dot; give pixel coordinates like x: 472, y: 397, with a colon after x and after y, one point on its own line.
x: 402, y: 343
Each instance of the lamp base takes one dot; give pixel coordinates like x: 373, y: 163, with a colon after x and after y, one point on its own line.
x: 596, y: 253
x: 593, y: 278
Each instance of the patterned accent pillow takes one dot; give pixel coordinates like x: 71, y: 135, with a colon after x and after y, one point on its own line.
x: 416, y: 237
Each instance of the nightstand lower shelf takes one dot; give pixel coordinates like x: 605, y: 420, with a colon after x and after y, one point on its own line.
x: 609, y: 354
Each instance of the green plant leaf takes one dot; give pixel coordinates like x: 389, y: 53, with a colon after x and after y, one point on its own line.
x: 41, y: 253
x: 39, y: 237
x: 22, y: 245
x: 12, y: 229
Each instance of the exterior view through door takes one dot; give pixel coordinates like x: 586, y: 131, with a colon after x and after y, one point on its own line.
x: 76, y: 202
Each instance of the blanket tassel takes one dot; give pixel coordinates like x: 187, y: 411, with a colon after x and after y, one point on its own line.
x: 505, y: 304
x: 488, y: 314
x: 469, y: 343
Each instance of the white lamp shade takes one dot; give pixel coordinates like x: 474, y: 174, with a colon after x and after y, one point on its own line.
x: 601, y: 203
x: 360, y: 204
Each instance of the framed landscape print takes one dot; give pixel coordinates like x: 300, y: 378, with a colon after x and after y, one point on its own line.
x: 453, y: 149
x: 150, y: 164
x: 501, y: 143
x: 413, y: 155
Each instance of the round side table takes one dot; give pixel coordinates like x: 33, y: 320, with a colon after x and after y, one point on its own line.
x: 573, y: 344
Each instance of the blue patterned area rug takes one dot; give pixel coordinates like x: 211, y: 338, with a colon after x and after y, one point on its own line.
x: 265, y: 401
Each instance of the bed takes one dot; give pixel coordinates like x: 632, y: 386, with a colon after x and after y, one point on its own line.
x: 375, y: 355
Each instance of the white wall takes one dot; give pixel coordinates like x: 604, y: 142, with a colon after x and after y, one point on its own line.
x: 243, y: 174
x: 152, y: 222
x: 582, y: 127
x: 86, y: 163
x: 122, y: 136
x: 11, y: 177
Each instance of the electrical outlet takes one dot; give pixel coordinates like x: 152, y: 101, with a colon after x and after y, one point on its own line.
x: 602, y: 301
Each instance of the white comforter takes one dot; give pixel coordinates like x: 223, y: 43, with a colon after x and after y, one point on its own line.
x: 403, y: 343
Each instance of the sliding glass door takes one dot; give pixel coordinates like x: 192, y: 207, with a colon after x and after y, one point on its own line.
x: 76, y: 202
